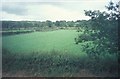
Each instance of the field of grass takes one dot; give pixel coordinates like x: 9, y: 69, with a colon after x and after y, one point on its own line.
x: 53, y: 48
x: 60, y: 40
x: 52, y: 53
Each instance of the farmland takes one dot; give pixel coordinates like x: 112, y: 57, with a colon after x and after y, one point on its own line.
x: 46, y: 46
x: 60, y: 40
x: 51, y: 53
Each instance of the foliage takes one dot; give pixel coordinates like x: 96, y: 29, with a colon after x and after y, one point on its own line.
x: 105, y: 35
x: 38, y: 25
x: 57, y: 64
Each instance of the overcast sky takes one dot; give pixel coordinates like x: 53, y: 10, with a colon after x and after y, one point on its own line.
x: 41, y: 10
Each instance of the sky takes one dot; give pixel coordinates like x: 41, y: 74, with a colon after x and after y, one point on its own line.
x: 42, y: 10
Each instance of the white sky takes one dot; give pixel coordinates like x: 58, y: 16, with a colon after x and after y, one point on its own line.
x: 41, y: 10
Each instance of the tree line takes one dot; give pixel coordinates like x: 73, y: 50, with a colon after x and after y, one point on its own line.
x: 42, y: 24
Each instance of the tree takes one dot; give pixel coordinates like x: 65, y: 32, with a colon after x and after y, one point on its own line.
x: 105, y: 35
x: 49, y: 23
x: 57, y: 23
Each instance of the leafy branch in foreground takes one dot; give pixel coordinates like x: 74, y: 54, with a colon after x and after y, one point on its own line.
x: 104, y: 32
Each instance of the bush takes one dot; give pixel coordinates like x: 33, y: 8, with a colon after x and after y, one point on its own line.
x: 56, y: 63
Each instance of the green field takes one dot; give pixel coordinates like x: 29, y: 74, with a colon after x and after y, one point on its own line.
x: 55, y: 49
x: 52, y: 53
x: 59, y: 40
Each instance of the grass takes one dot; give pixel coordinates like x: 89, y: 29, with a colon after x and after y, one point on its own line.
x: 53, y: 63
x: 52, y: 53
x: 60, y: 40
x: 57, y: 64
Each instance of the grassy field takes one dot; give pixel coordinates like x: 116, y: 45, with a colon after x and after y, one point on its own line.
x: 60, y: 40
x: 50, y: 48
x: 52, y: 53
